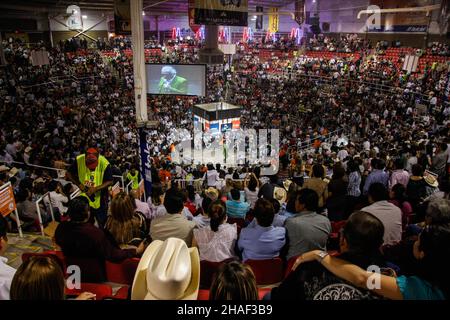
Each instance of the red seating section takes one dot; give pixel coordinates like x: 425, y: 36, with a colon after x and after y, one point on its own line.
x: 123, y: 272
x: 208, y: 270
x: 269, y: 271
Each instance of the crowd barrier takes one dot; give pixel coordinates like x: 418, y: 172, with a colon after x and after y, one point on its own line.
x: 38, y: 209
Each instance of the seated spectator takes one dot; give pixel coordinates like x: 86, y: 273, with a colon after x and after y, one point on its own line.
x: 173, y: 224
x: 168, y: 270
x: 27, y: 210
x: 432, y: 283
x: 251, y: 188
x: 123, y: 223
x: 397, y: 197
x: 41, y: 279
x: 360, y: 243
x: 58, y: 199
x: 236, y: 208
x: 216, y: 242
x: 140, y: 206
x: 388, y: 213
x: 155, y: 202
x: 234, y: 281
x: 317, y: 183
x: 278, y: 220
x: 194, y: 198
x: 6, y: 272
x: 266, y: 190
x: 202, y: 220
x: 306, y: 229
x: 260, y: 239
x: 86, y: 245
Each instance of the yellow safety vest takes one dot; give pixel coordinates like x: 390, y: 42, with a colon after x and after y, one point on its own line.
x: 135, y: 179
x: 92, y: 178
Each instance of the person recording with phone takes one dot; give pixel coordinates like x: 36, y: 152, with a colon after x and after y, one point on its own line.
x: 171, y: 83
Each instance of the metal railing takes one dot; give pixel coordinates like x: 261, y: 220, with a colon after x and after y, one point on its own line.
x: 38, y: 209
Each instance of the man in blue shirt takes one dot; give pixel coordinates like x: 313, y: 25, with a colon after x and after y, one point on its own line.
x: 236, y: 208
x: 260, y: 239
x: 378, y: 175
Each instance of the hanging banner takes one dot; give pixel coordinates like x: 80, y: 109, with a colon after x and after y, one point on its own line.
x: 221, y: 12
x: 299, y: 15
x: 273, y: 20
x: 7, y: 201
x: 191, y: 15
x: 259, y: 18
x: 144, y: 155
x: 122, y: 17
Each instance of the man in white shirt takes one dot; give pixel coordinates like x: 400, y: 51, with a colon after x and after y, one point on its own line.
x: 389, y: 214
x: 6, y: 272
x: 57, y: 198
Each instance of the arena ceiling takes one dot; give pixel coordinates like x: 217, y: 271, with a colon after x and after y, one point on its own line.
x: 150, y: 6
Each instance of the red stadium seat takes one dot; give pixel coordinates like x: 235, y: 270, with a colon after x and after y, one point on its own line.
x: 268, y: 271
x: 203, y: 294
x: 208, y: 271
x: 122, y: 272
x: 101, y: 291
x: 58, y: 255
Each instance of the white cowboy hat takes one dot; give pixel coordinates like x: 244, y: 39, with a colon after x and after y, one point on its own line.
x: 168, y: 270
x: 280, y: 194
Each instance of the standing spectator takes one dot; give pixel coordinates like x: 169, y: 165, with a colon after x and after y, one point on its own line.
x: 397, y: 197
x: 416, y: 187
x: 439, y: 162
x: 378, y: 175
x: 399, y: 175
x: 317, y: 184
x: 211, y: 176
x: 57, y: 197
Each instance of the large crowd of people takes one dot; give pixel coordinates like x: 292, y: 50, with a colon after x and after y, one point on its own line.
x: 364, y: 145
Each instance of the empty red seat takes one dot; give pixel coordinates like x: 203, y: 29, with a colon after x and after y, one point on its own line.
x: 268, y: 271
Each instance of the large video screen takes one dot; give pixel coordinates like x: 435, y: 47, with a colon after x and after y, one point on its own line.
x: 176, y: 79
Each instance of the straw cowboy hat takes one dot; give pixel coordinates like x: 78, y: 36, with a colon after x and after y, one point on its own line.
x: 431, y: 181
x: 168, y: 270
x: 212, y: 193
x: 280, y: 194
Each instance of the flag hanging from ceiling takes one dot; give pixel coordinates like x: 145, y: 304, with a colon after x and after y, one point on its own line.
x: 191, y: 13
x: 273, y: 20
x: 122, y: 17
x: 259, y: 18
x: 221, y: 12
x: 300, y: 11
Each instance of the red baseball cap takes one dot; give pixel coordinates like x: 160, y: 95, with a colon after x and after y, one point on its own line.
x: 91, y: 158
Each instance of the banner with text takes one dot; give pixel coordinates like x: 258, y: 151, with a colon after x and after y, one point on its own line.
x: 7, y: 201
x: 221, y: 12
x: 273, y: 20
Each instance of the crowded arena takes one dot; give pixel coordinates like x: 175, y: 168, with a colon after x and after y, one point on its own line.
x: 133, y: 164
